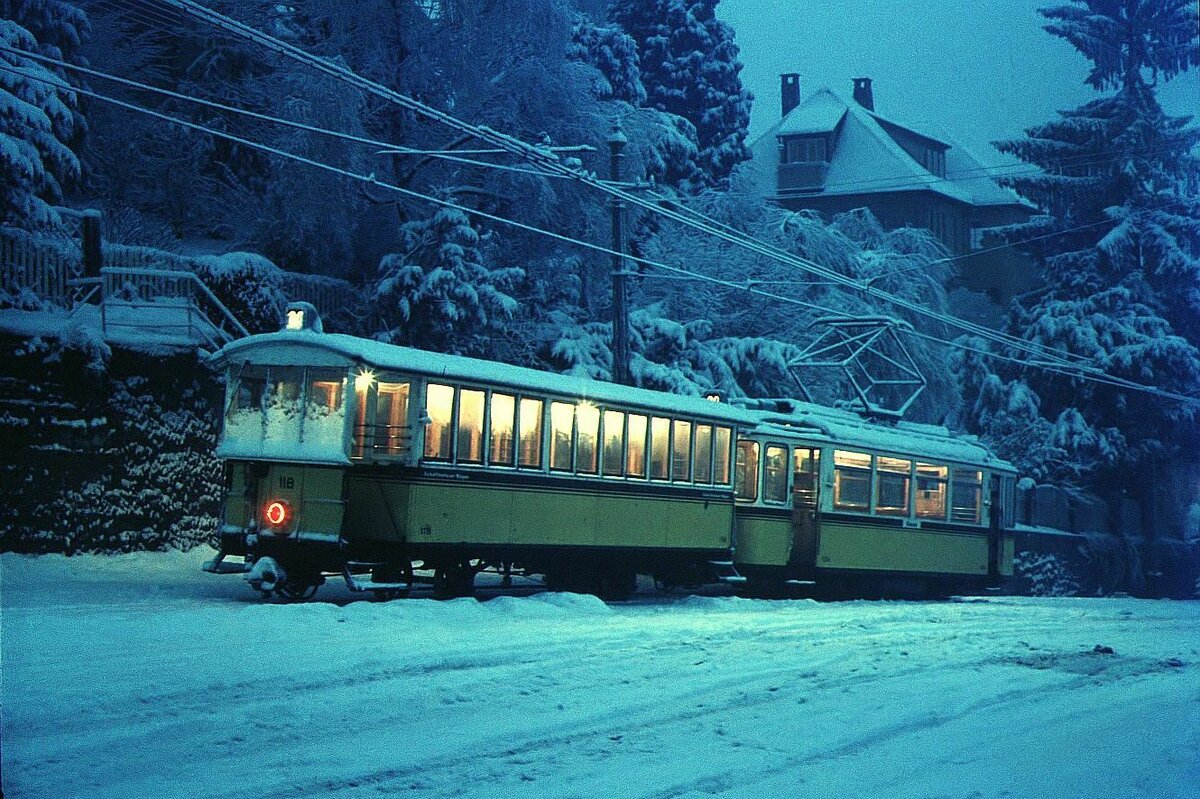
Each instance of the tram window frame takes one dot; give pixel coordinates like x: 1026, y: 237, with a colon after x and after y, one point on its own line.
x: 390, y: 444
x: 660, y: 468
x: 492, y: 458
x: 288, y: 430
x: 458, y: 425
x: 450, y: 424
x: 555, y: 444
x: 702, y: 454
x: 937, y: 475
x: 780, y: 496
x: 596, y: 443
x: 851, y: 472
x: 685, y: 457
x: 252, y: 378
x: 614, y: 456
x: 975, y: 486
x: 722, y: 455
x: 635, y: 466
x: 538, y: 449
x: 886, y: 477
x: 741, y: 480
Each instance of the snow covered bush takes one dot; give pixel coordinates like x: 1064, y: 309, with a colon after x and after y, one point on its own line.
x: 1045, y: 574
x: 249, y: 285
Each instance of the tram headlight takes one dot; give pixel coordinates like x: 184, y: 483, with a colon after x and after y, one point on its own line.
x: 277, y: 517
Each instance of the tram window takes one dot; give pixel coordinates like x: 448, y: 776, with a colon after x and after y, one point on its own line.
x: 531, y: 432
x: 324, y: 413
x: 747, y: 470
x: 283, y: 404
x: 931, y: 490
x: 681, y: 451
x: 966, y: 493
x: 614, y: 442
x: 470, y: 426
x: 775, y: 474
x: 562, y: 420
x: 660, y: 448
x: 502, y: 414
x: 439, y: 407
x: 588, y: 422
x: 244, y: 419
x: 721, y: 445
x: 891, y: 492
x: 851, y: 480
x: 391, y: 417
x: 806, y: 463
x: 702, y: 471
x: 635, y: 461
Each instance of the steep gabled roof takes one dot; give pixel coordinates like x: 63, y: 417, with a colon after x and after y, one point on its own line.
x: 867, y: 159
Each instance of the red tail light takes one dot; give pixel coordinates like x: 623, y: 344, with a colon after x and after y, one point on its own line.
x: 277, y: 516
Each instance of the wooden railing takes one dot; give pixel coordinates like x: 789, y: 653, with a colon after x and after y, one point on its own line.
x: 41, y: 266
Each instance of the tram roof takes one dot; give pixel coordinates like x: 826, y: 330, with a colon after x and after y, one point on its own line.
x: 911, y: 439
x: 297, y: 348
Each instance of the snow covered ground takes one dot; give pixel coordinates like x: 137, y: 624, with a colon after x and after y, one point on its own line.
x: 138, y: 676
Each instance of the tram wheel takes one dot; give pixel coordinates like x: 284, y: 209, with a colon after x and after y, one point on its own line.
x: 297, y: 590
x: 453, y: 582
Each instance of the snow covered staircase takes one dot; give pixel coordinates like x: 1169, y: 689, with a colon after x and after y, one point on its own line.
x: 142, y: 307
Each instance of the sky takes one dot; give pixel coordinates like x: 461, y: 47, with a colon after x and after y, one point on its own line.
x: 974, y: 70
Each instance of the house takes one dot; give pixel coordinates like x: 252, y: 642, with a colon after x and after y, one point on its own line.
x: 833, y: 155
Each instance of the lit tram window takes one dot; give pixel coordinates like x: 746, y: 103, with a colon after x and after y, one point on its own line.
x: 703, y: 459
x: 966, y: 494
x: 562, y: 420
x: 324, y: 414
x: 635, y: 462
x: 775, y: 474
x: 681, y: 452
x: 469, y: 447
x: 587, y: 438
x: 660, y: 448
x: 614, y: 442
x: 747, y: 470
x: 531, y: 432
x: 931, y: 490
x: 391, y: 417
x: 502, y: 415
x: 439, y: 407
x: 851, y: 480
x: 892, y: 481
x: 721, y: 447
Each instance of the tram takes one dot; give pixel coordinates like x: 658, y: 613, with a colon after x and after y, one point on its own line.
x: 387, y: 465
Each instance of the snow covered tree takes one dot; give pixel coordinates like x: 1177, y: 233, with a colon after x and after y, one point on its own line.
x: 1118, y: 183
x: 437, y: 293
x: 689, y: 66
x: 613, y: 52
x: 37, y: 126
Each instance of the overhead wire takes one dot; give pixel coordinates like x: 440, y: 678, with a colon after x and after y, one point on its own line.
x: 746, y: 287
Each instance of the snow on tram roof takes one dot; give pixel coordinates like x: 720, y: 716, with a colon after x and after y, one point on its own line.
x: 288, y: 348
x: 903, y: 438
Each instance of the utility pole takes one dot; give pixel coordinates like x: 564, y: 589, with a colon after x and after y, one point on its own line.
x: 620, y: 324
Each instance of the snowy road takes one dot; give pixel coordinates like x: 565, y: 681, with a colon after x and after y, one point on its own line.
x: 139, y: 677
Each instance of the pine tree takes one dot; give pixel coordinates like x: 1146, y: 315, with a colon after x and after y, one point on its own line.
x: 1118, y: 185
x: 37, y: 125
x: 689, y: 66
x: 437, y: 293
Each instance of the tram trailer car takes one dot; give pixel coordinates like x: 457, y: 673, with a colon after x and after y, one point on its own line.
x: 345, y: 455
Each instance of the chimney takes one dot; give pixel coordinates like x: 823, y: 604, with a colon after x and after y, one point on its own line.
x: 862, y: 93
x: 789, y: 91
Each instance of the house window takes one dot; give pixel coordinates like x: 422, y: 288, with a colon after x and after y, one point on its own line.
x: 977, y: 238
x: 805, y: 149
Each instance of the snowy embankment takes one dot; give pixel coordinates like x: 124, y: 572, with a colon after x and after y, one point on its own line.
x: 137, y: 676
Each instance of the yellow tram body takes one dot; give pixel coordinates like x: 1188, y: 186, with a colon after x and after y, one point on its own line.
x: 350, y: 455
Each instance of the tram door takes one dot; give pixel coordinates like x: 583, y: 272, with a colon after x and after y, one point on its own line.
x: 806, y: 487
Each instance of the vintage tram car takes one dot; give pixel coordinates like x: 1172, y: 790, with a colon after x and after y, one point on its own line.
x: 380, y: 462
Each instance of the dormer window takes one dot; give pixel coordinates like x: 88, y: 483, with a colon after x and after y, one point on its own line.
x: 805, y: 149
